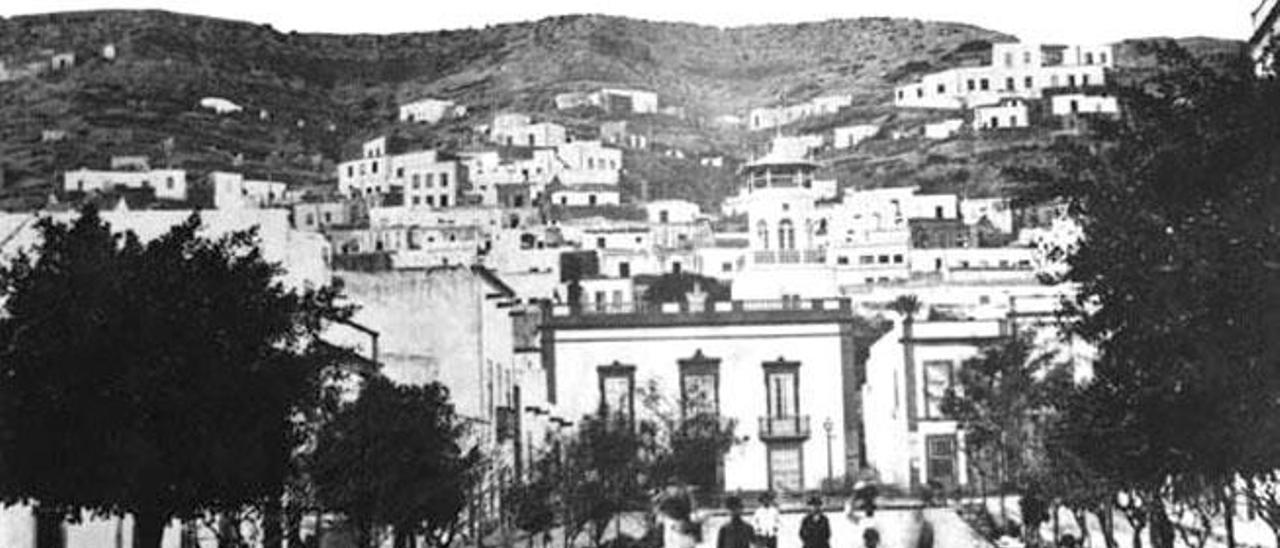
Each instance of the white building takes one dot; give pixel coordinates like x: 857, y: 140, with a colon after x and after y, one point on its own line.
x: 520, y: 130
x: 421, y: 178
x: 430, y: 111
x: 787, y: 376
x: 1007, y: 114
x: 851, y: 136
x: 945, y: 129
x: 1017, y: 70
x: 168, y: 184
x: 586, y: 195
x: 771, y: 117
x: 1079, y: 103
x: 220, y: 105
x: 672, y: 211
x: 233, y: 191
x: 611, y: 99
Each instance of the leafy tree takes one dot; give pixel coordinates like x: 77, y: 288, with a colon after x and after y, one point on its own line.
x: 1179, y: 286
x: 393, y: 458
x: 996, y: 399
x: 602, y: 474
x: 672, y: 288
x: 157, y: 379
x: 531, y: 504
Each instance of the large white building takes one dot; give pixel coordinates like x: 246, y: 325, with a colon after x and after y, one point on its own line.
x: 618, y: 100
x: 788, y: 376
x: 771, y: 117
x: 233, y: 191
x: 1017, y: 70
x: 513, y: 129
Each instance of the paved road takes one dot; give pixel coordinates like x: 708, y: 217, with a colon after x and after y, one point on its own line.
x: 898, y: 529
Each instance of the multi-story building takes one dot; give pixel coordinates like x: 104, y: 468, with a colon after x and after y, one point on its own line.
x: 422, y: 178
x: 787, y: 374
x: 613, y: 100
x: 1017, y: 70
x: 513, y: 129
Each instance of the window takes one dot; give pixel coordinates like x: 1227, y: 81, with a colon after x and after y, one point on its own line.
x: 1071, y: 80
x: 328, y: 218
x: 782, y: 388
x: 1013, y: 121
x: 1088, y: 58
x: 1084, y: 79
x: 1102, y: 58
x: 942, y: 88
x: 1075, y: 106
x: 444, y: 180
x: 676, y: 267
x: 1008, y: 59
x: 1028, y: 82
x: 762, y: 232
x: 591, y: 199
x: 399, y: 173
x: 985, y: 84
x: 901, y: 95
x: 416, y: 181
x: 919, y: 92
x: 310, y: 219
x: 1053, y: 81
x: 1026, y: 58
x: 374, y: 167
x: 417, y: 200
x: 617, y: 389
x: 564, y: 200
x: 971, y: 86
x: 663, y: 217
x: 897, y: 259
x: 937, y: 380
x: 1008, y: 84
x: 600, y: 243
x: 444, y: 201
x: 431, y: 201
x: 699, y: 385
x: 624, y: 269
x: 866, y: 259
x: 883, y: 259
x: 842, y: 259
x: 786, y: 235
x: 430, y: 180
x: 726, y: 267
x: 351, y: 171
x: 786, y: 468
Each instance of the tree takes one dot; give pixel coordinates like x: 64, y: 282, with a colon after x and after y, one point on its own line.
x: 393, y: 458
x: 155, y: 379
x: 672, y: 288
x: 602, y: 474
x: 1179, y: 283
x: 996, y: 399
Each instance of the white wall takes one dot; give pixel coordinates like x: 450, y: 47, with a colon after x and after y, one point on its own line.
x: 742, y: 350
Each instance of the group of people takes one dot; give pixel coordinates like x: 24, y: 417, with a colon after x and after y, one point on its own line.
x: 815, y: 528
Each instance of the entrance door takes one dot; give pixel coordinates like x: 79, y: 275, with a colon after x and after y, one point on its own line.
x: 786, y: 469
x: 941, y: 458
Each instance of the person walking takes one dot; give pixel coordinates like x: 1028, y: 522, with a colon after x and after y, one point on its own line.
x: 736, y: 533
x: 766, y: 521
x: 815, y: 531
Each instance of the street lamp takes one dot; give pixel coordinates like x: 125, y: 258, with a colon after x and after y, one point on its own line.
x: 828, y: 425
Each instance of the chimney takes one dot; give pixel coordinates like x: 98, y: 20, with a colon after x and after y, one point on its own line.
x: 697, y: 299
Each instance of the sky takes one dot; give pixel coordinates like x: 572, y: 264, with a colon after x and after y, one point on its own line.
x: 1065, y: 21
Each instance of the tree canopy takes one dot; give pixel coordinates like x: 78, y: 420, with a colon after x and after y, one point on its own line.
x: 394, y: 458
x: 158, y: 379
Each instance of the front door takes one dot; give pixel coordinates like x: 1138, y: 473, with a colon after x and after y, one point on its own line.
x: 786, y: 469
x: 941, y: 454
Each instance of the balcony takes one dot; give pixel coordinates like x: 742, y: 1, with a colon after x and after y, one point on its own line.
x: 790, y: 257
x: 784, y: 428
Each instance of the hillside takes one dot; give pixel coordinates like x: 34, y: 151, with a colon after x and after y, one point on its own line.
x: 308, y: 98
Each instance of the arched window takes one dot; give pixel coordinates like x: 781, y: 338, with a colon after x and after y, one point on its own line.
x: 762, y: 231
x: 786, y: 235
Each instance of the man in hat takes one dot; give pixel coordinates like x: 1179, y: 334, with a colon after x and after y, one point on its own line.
x: 736, y: 533
x: 815, y: 531
x: 767, y: 520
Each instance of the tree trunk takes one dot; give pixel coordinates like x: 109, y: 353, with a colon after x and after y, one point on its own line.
x: 272, y: 532
x: 405, y: 538
x: 1107, y: 523
x: 50, y: 531
x: 1162, y: 534
x: 1229, y: 515
x: 148, y: 529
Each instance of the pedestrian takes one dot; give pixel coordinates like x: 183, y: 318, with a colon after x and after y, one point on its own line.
x: 767, y: 520
x: 678, y: 528
x: 815, y: 531
x: 736, y: 533
x: 870, y: 538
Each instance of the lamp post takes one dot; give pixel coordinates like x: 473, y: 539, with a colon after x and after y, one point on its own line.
x: 828, y: 425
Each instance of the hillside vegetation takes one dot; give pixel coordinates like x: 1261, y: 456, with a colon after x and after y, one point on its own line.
x: 308, y: 98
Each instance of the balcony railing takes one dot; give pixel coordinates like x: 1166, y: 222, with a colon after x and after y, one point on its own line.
x: 791, y: 256
x: 784, y: 428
